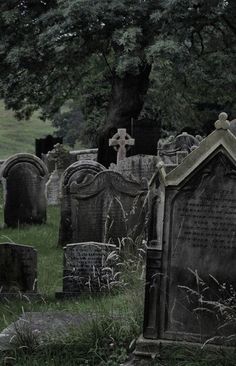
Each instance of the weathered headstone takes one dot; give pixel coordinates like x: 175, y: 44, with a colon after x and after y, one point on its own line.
x: 87, y: 154
x: 173, y: 150
x: 24, y: 177
x: 145, y: 132
x: 62, y: 159
x: 121, y: 142
x: 107, y: 209
x: 191, y: 270
x: 18, y: 269
x: 79, y: 172
x: 88, y: 267
x: 136, y: 167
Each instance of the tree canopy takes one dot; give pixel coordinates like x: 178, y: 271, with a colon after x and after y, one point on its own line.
x: 118, y: 59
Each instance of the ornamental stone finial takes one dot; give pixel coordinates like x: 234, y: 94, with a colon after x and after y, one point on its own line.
x: 222, y: 123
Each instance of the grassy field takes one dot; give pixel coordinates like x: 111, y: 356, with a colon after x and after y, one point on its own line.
x: 19, y: 136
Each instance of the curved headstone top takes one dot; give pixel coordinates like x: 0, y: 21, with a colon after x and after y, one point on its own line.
x: 23, y: 158
x: 79, y: 170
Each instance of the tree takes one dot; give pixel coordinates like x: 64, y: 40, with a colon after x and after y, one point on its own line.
x: 52, y: 51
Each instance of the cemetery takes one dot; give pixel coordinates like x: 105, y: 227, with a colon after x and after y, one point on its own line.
x: 117, y: 183
x: 143, y: 251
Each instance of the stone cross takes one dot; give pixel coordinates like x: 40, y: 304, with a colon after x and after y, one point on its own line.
x: 121, y: 140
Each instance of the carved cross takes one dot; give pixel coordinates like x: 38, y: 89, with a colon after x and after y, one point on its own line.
x: 121, y: 141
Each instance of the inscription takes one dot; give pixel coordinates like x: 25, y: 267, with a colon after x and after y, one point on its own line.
x: 208, y: 222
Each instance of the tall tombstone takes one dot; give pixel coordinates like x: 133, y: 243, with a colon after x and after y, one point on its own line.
x: 88, y: 268
x: 193, y: 258
x: 107, y: 209
x: 121, y: 142
x: 18, y: 269
x: 79, y: 172
x: 62, y: 159
x: 24, y: 177
x: 145, y: 132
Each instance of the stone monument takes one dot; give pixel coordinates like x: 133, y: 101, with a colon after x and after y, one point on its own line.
x: 80, y: 173
x: 18, y: 270
x: 24, y: 177
x: 193, y: 257
x: 121, y: 141
x: 88, y: 268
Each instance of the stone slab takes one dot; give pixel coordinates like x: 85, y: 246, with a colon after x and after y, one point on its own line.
x: 42, y: 325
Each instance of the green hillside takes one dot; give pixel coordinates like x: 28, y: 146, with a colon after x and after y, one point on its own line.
x: 19, y: 136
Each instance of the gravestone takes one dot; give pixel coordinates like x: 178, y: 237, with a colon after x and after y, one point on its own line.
x: 88, y: 267
x: 24, y: 177
x: 191, y: 266
x: 18, y: 269
x: 121, y: 141
x: 62, y: 159
x: 145, y: 132
x: 136, y: 167
x: 46, y: 144
x: 107, y: 209
x: 79, y: 172
x: 87, y: 154
x: 173, y: 150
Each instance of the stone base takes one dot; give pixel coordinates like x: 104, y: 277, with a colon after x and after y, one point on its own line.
x: 23, y: 296
x: 149, y: 348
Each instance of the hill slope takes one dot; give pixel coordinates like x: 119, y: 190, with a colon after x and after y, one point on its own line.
x: 19, y: 136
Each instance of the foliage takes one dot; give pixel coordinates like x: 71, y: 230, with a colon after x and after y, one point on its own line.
x: 55, y: 51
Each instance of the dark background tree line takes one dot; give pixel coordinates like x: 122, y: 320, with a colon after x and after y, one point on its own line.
x: 93, y: 64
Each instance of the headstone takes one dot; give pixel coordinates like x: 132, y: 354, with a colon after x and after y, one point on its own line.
x: 46, y: 144
x: 24, y: 177
x: 173, y: 150
x: 145, y: 132
x: 87, y: 154
x: 79, y: 172
x: 137, y: 167
x: 121, y: 142
x: 107, y: 209
x: 18, y: 269
x: 192, y: 267
x: 62, y: 160
x: 88, y: 268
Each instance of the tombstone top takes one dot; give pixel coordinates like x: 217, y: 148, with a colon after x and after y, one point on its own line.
x: 87, y: 166
x: 221, y: 138
x: 23, y: 158
x: 91, y: 243
x: 11, y: 245
x: 120, y: 141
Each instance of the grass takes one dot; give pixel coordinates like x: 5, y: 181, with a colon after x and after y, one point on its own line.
x: 19, y: 136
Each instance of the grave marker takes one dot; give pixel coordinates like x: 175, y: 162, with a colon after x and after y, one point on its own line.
x: 18, y: 269
x: 85, y: 268
x: 121, y: 141
x: 195, y: 250
x: 24, y: 177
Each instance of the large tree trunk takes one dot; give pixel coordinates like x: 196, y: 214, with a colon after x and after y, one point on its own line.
x: 126, y: 102
x: 127, y: 97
